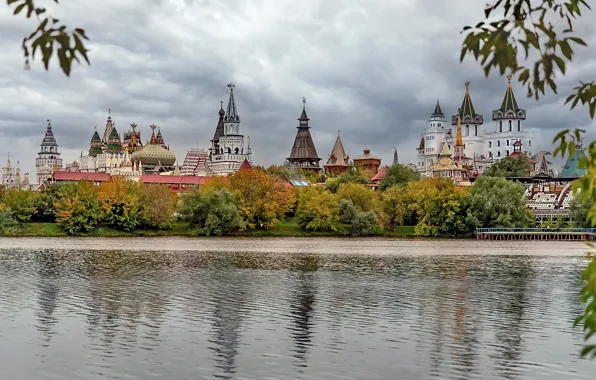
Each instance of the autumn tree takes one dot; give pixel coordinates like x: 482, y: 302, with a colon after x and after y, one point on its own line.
x: 120, y: 201
x: 211, y: 211
x: 437, y: 206
x: 263, y: 200
x: 50, y: 38
x: 395, y: 205
x: 360, y: 207
x: 352, y: 176
x: 517, y: 166
x: 512, y: 32
x: 79, y: 211
x: 158, y: 204
x: 398, y: 175
x: 20, y: 203
x: 317, y: 210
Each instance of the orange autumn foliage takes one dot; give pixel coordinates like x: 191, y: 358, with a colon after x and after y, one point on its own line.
x: 263, y: 200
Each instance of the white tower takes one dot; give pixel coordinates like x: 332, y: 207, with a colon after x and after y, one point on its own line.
x: 48, y: 159
x: 509, y: 128
x: 472, y: 130
x: 227, y: 151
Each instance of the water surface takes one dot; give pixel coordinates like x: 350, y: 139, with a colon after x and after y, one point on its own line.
x: 174, y: 308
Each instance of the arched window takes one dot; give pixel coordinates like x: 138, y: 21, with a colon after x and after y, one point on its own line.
x: 467, y: 130
x: 519, y: 125
x: 501, y: 126
x: 237, y: 150
x: 509, y: 125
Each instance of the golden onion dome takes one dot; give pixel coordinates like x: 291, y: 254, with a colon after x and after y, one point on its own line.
x: 154, y: 154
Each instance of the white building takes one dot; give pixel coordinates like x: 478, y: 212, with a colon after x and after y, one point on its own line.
x: 227, y: 152
x: 48, y: 159
x: 11, y: 176
x: 509, y: 128
x: 480, y: 146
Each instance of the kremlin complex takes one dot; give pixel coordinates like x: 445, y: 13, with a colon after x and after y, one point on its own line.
x: 460, y: 150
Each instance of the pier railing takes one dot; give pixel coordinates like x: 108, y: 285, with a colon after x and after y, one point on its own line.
x: 536, y: 233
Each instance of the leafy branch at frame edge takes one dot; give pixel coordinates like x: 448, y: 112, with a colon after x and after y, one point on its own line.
x: 50, y: 37
x: 523, y: 27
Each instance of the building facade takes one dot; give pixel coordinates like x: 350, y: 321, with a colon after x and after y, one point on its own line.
x: 48, y: 158
x: 227, y: 152
x: 105, y: 154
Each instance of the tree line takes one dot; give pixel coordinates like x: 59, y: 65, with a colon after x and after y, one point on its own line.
x: 261, y: 199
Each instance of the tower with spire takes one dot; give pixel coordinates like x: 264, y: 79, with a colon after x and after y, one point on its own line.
x: 48, y: 156
x: 338, y: 161
x: 227, y: 152
x: 471, y: 125
x: 509, y: 127
x: 304, y: 154
x: 431, y: 145
x: 11, y: 176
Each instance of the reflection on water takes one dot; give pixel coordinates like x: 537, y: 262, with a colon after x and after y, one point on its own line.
x: 310, y: 309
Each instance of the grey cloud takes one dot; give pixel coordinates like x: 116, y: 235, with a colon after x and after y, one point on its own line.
x: 372, y: 70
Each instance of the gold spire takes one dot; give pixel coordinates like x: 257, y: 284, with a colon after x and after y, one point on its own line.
x: 153, y: 138
x: 458, y: 138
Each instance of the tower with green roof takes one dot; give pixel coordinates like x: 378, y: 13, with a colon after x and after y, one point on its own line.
x: 509, y: 127
x: 95, y: 147
x: 472, y: 127
x: 114, y: 142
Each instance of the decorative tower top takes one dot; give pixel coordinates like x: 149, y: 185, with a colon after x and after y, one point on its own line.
x: 509, y: 108
x: 109, y: 126
x: 232, y: 112
x: 303, y: 117
x: 153, y: 138
x: 49, y: 140
x: 160, y: 140
x: 467, y: 113
x: 219, y: 130
x: 438, y: 112
x: 395, y: 159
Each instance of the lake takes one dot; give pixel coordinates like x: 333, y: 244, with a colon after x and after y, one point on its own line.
x: 175, y: 308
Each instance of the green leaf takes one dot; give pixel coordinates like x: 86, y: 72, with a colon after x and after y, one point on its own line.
x: 560, y: 63
x: 19, y: 8
x: 566, y: 49
x: 578, y: 41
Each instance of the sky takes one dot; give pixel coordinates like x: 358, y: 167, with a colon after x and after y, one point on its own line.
x: 372, y: 69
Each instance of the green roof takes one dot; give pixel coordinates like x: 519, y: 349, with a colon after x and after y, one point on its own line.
x: 95, y: 136
x: 114, y: 134
x: 114, y: 143
x: 467, y: 108
x: 509, y: 102
x: 571, y: 167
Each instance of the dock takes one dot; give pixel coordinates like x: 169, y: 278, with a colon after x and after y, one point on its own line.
x: 561, y: 234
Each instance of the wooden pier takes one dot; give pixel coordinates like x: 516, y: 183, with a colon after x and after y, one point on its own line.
x: 562, y: 234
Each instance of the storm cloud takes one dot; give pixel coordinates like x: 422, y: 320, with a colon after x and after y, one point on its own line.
x: 371, y: 69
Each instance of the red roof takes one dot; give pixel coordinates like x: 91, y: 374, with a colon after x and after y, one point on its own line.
x: 380, y: 175
x: 174, y: 179
x: 245, y: 165
x: 284, y: 184
x: 78, y: 176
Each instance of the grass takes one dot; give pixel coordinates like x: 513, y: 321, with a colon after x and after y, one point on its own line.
x: 288, y: 227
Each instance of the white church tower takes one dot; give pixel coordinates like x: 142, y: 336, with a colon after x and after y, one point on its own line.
x: 227, y: 151
x: 472, y: 129
x: 48, y: 159
x: 431, y: 142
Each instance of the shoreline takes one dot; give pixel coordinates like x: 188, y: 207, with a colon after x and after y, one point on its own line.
x: 286, y: 229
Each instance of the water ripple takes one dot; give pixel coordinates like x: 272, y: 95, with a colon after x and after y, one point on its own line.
x: 289, y: 308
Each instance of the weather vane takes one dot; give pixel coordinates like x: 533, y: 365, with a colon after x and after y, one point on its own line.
x: 231, y: 85
x: 509, y: 77
x: 304, y: 101
x: 467, y: 85
x: 221, y: 103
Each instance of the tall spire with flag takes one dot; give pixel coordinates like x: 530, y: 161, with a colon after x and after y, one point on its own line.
x: 458, y: 151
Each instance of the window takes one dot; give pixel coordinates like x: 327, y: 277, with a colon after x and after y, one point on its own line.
x: 467, y: 130
x: 490, y: 144
x: 499, y: 154
x: 498, y: 142
x: 519, y: 125
x: 529, y: 142
x: 507, y: 142
x: 507, y: 152
x: 509, y: 125
x: 501, y: 126
x: 475, y: 130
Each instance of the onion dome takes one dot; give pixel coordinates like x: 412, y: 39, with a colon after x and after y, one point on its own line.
x: 154, y: 154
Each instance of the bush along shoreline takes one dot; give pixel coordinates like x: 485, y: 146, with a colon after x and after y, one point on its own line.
x: 259, y: 202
